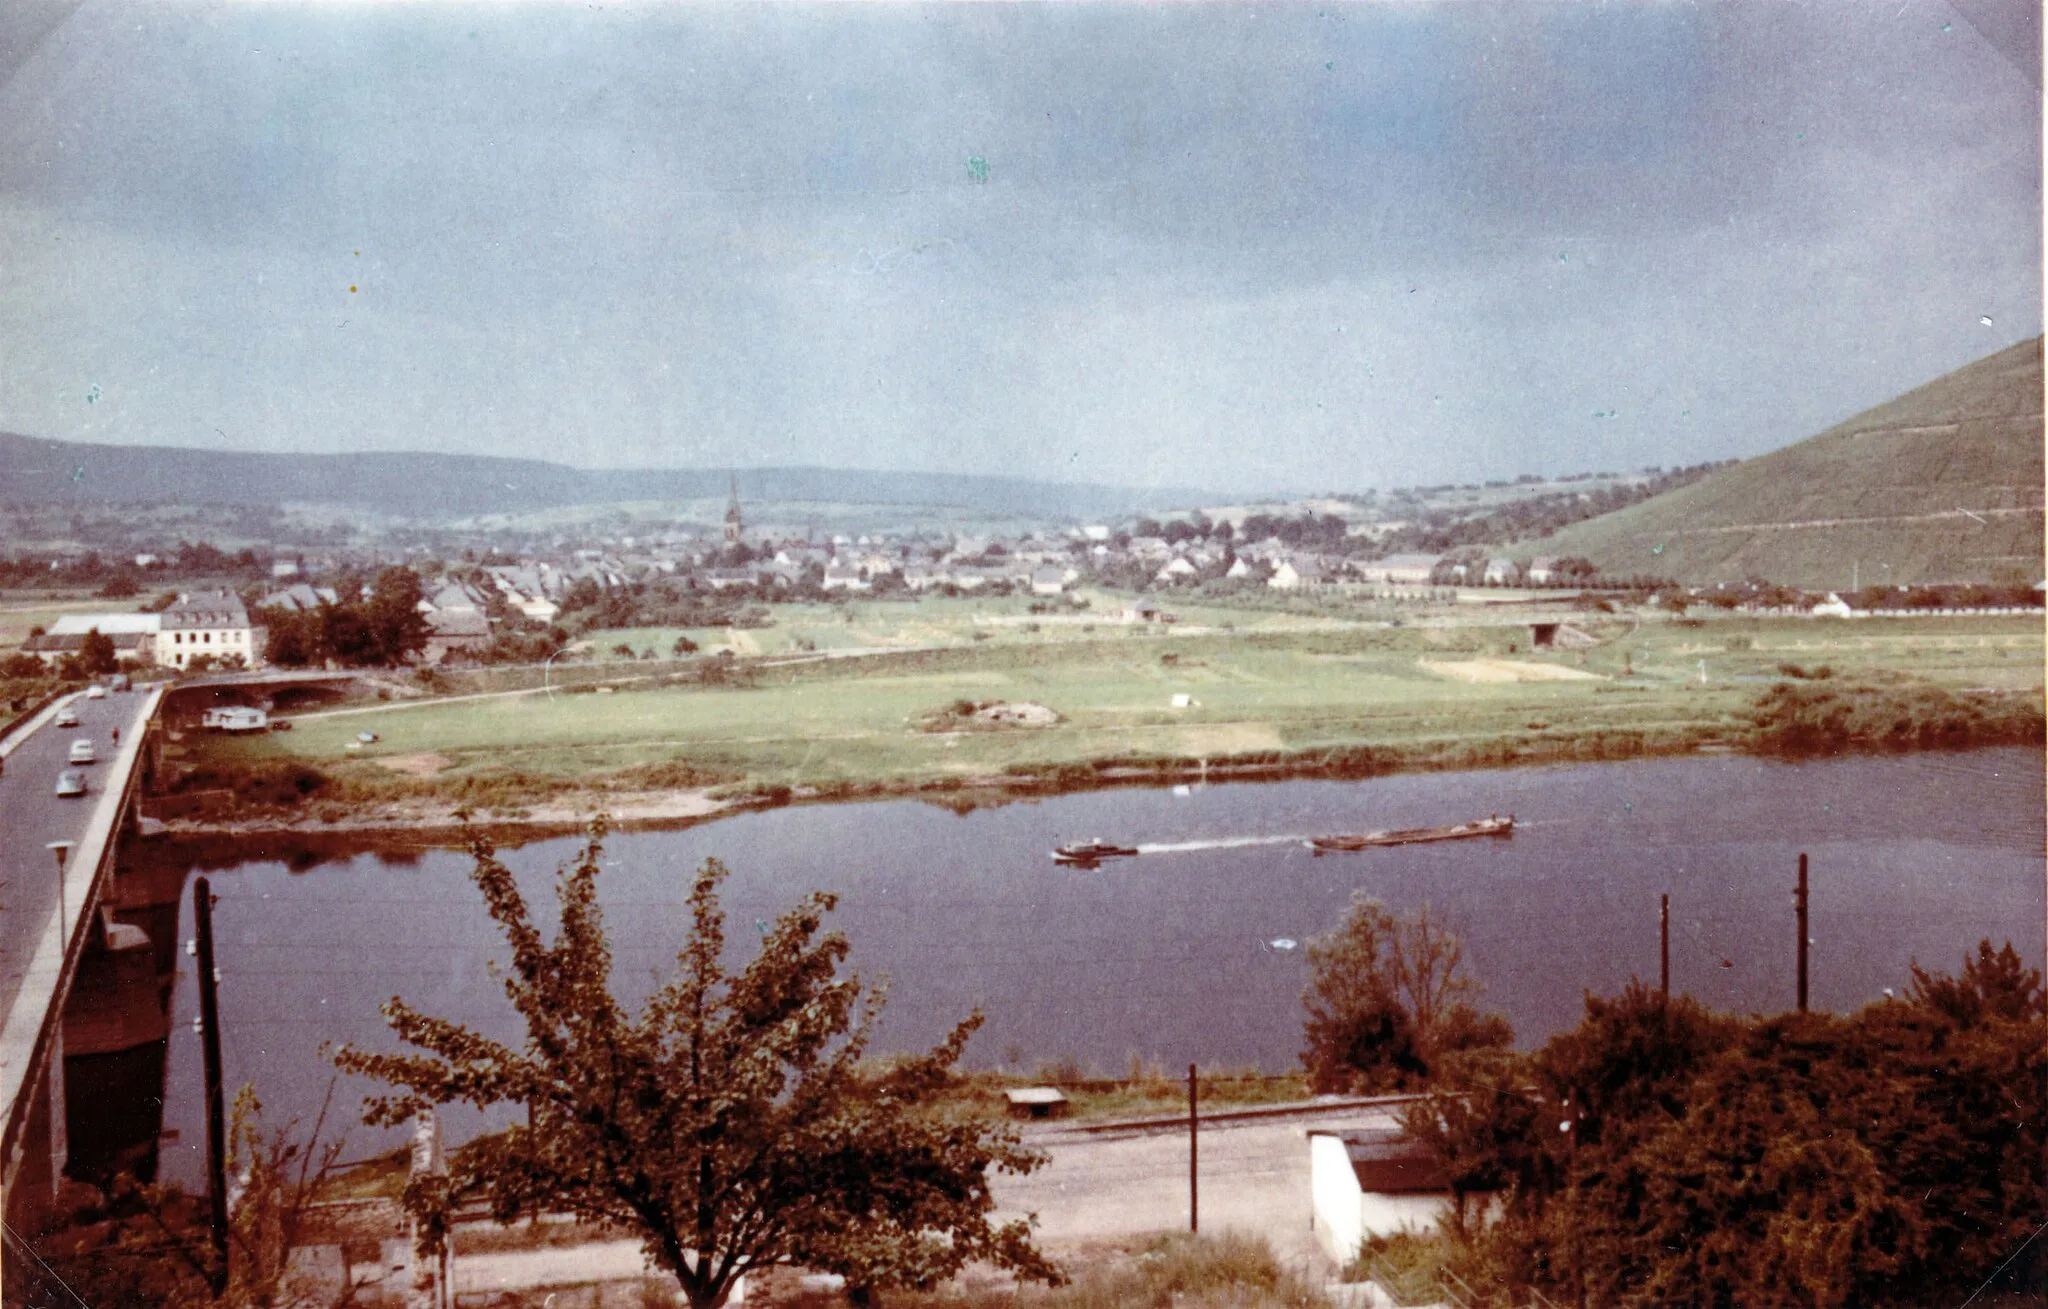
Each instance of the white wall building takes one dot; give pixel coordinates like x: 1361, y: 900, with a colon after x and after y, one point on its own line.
x: 214, y: 623
x: 1373, y: 1181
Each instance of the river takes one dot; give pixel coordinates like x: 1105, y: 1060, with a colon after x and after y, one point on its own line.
x: 1190, y: 954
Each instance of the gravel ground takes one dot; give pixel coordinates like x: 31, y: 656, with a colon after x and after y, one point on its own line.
x: 1253, y: 1177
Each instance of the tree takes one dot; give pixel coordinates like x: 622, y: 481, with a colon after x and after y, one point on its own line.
x: 294, y: 638
x: 96, y: 655
x: 1388, y: 1004
x: 396, y: 626
x: 732, y: 1122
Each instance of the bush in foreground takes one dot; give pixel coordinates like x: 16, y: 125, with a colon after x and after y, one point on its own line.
x: 1659, y: 1153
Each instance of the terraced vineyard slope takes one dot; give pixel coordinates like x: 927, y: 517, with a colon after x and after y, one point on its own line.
x: 1943, y: 484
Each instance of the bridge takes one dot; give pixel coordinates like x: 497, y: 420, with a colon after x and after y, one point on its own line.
x: 57, y: 856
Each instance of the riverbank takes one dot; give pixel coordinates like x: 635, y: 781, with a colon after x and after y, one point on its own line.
x: 1169, y: 710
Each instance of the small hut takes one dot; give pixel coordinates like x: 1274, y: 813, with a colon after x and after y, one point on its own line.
x: 1036, y: 1102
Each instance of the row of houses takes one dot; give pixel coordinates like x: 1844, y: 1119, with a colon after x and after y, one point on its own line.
x: 214, y: 625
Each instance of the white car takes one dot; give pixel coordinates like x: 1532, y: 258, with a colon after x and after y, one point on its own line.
x: 71, y: 782
x: 81, y: 751
x: 66, y: 717
x: 95, y: 692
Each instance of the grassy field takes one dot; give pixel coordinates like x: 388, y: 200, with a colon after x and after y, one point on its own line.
x: 1274, y: 689
x: 20, y: 615
x: 901, y: 624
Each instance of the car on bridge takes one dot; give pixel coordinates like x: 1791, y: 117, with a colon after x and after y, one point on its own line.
x: 66, y: 717
x: 95, y: 692
x: 81, y: 751
x: 70, y: 782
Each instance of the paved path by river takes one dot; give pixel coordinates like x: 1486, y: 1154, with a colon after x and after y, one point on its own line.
x: 1254, y: 1177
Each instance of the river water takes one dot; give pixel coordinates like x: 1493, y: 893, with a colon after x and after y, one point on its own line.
x: 1187, y: 954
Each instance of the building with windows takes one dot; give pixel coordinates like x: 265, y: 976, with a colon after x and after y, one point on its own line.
x: 209, y: 623
x: 134, y: 636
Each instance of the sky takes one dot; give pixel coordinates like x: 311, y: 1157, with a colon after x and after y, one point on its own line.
x: 1307, y: 248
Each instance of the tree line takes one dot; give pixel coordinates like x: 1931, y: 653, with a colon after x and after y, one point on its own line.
x: 383, y: 627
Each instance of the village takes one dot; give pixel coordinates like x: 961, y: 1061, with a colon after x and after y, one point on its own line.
x: 486, y: 607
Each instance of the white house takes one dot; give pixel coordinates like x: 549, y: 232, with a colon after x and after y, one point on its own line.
x: 844, y: 577
x: 1048, y: 579
x: 1542, y: 570
x: 1373, y: 1181
x: 134, y: 636
x: 1413, y: 570
x: 1297, y: 575
x: 1177, y: 569
x: 1832, y: 607
x: 1499, y: 572
x: 203, y: 623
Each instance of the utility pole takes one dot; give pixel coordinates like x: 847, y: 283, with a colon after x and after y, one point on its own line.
x: 1664, y: 945
x: 1194, y: 1192
x: 216, y: 1114
x: 1800, y: 900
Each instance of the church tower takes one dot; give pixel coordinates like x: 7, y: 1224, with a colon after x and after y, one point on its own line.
x: 733, y: 526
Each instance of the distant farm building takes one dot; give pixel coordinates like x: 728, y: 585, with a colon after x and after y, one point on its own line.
x: 1400, y: 570
x: 1560, y: 636
x: 1297, y: 575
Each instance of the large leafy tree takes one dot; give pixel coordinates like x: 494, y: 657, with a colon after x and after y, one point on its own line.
x: 1389, y: 1004
x: 392, y: 613
x: 733, y: 1122
x: 96, y: 655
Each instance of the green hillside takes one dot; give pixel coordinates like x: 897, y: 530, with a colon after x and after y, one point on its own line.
x: 1943, y: 484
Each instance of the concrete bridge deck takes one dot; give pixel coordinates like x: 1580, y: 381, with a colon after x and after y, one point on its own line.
x: 48, y: 911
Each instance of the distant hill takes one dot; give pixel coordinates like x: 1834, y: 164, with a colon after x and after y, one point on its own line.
x: 441, y: 488
x: 1943, y: 484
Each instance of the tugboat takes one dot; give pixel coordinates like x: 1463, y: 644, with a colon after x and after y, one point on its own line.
x: 1090, y: 854
x: 1491, y: 826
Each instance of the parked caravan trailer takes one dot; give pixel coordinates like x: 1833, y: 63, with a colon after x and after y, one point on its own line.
x: 235, y: 718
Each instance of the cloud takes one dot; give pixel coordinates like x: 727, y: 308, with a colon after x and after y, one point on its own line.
x: 1246, y: 246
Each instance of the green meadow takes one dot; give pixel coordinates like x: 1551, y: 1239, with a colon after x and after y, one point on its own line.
x: 1275, y: 692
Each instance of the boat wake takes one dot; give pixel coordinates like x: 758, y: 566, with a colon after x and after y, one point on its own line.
x: 1220, y: 843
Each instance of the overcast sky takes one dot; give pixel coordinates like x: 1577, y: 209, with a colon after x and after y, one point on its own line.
x: 1299, y: 246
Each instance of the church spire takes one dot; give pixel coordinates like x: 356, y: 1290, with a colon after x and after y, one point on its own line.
x: 733, y: 524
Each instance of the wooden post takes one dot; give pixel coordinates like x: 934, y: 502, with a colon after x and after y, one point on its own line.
x: 433, y: 1246
x: 1801, y: 901
x: 1664, y: 945
x: 216, y: 1112
x: 1194, y: 1187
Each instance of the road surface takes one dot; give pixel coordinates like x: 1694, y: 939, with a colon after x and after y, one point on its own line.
x: 32, y: 815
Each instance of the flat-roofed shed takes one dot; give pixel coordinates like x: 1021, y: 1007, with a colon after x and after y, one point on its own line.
x: 1036, y: 1102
